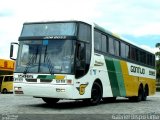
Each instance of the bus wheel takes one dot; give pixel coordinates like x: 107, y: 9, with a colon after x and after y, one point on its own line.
x: 145, y: 93
x: 139, y: 97
x: 96, y: 95
x: 109, y: 99
x: 50, y: 101
x: 4, y: 91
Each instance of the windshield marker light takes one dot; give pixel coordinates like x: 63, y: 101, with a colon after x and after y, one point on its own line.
x: 45, y: 42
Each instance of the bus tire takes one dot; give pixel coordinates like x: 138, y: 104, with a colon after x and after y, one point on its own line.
x: 96, y: 95
x: 139, y: 97
x: 4, y: 91
x: 50, y: 101
x: 109, y: 99
x: 145, y: 93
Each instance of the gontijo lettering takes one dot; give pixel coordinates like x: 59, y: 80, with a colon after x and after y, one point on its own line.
x: 136, y: 69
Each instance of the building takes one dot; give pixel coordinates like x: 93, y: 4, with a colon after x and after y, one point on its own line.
x: 6, y: 67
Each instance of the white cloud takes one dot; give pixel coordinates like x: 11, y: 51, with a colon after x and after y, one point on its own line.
x: 148, y: 29
x: 133, y: 17
x: 150, y: 49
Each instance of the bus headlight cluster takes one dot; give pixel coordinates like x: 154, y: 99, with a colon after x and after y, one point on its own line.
x: 18, y: 79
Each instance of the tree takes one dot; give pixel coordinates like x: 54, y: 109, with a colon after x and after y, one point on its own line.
x: 158, y: 61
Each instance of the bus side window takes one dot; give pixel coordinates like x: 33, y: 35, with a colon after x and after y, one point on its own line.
x: 6, y: 79
x: 1, y: 79
x: 10, y: 78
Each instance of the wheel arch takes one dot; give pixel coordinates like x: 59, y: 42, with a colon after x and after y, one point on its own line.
x: 99, y: 82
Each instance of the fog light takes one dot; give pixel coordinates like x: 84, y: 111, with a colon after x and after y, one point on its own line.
x: 18, y: 90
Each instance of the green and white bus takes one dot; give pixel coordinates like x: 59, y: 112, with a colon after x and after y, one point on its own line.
x: 80, y: 61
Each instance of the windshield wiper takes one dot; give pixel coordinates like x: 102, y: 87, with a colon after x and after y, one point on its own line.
x: 50, y: 66
x: 31, y: 60
x: 29, y: 63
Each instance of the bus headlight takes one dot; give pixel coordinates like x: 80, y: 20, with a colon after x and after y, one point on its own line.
x: 18, y: 79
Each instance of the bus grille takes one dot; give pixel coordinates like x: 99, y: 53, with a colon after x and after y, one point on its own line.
x: 46, y: 80
x: 31, y: 80
x: 39, y: 81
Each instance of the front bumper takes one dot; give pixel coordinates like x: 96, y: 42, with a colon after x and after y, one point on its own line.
x: 46, y: 90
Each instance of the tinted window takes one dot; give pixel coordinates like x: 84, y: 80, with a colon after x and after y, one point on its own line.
x: 150, y: 59
x: 97, y: 40
x: 123, y: 50
x: 88, y: 53
x: 47, y: 29
x: 104, y: 43
x: 153, y: 60
x: 137, y: 55
x: 116, y: 47
x: 142, y: 57
x: 111, y: 45
x: 147, y: 59
x: 127, y: 51
x: 8, y: 78
x: 133, y: 53
x: 84, y: 32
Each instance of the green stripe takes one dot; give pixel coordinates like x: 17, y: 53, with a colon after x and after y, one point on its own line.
x: 119, y: 77
x: 46, y: 77
x: 112, y: 76
x: 115, y: 76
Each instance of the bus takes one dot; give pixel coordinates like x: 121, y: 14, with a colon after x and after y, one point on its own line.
x: 6, y: 75
x: 80, y: 61
x: 6, y: 84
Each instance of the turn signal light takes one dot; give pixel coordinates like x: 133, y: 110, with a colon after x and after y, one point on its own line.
x: 69, y: 81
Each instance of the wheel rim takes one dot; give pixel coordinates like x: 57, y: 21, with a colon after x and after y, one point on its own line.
x: 96, y: 94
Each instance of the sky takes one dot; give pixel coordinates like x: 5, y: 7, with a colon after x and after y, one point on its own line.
x: 135, y: 20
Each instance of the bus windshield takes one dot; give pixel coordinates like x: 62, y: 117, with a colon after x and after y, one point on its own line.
x: 49, y: 29
x: 46, y: 56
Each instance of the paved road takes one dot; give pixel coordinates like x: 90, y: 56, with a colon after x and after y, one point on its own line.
x: 10, y: 104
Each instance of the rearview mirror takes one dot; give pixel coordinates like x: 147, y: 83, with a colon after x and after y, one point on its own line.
x: 13, y: 50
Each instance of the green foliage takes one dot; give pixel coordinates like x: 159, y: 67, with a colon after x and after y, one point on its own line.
x: 158, y: 45
x: 158, y: 61
x: 158, y: 55
x: 158, y: 68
